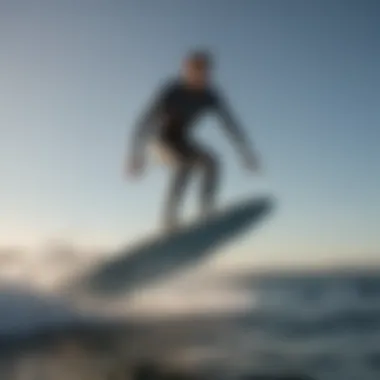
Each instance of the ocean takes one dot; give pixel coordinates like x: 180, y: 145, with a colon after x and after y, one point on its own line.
x: 325, y: 325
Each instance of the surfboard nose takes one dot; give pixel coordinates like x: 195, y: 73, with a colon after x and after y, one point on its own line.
x: 248, y: 209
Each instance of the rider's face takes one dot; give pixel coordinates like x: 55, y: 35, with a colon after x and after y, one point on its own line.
x: 197, y: 73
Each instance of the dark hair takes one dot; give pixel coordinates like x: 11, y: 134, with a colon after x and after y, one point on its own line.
x: 200, y: 56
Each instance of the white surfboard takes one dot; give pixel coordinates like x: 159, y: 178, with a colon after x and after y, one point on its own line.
x: 160, y: 256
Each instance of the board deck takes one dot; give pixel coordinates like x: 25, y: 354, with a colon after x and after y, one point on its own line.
x: 160, y: 256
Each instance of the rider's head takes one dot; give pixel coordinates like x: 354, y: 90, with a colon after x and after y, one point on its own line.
x: 197, y: 68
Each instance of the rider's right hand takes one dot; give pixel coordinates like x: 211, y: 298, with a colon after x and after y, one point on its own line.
x: 252, y: 162
x: 134, y: 166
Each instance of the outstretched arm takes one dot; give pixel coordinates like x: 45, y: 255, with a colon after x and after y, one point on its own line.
x: 235, y: 131
x: 142, y: 129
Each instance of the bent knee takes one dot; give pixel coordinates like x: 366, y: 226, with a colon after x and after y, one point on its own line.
x: 208, y: 161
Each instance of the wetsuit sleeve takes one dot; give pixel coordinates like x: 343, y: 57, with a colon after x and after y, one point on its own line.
x: 147, y: 120
x: 230, y: 124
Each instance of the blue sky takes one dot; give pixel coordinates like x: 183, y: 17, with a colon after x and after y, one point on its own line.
x: 303, y: 78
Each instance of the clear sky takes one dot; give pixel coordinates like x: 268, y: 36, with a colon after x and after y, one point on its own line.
x: 303, y: 77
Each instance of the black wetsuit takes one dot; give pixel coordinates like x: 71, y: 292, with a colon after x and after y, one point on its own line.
x: 171, y: 117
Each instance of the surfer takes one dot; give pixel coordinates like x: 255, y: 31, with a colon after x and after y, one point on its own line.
x: 171, y: 117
